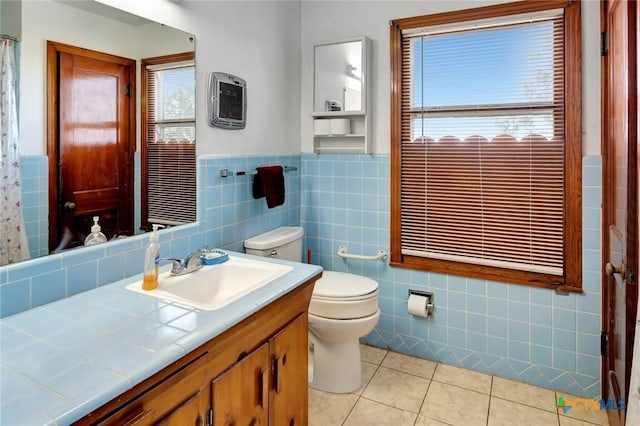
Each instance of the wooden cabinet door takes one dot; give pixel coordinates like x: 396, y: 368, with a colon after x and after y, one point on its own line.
x: 182, y: 399
x: 289, y: 353
x: 240, y: 396
x: 191, y: 411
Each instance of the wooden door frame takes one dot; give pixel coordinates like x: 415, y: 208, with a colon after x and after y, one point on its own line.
x: 52, y: 127
x: 632, y: 245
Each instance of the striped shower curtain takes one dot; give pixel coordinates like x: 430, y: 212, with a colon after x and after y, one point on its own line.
x: 13, y: 237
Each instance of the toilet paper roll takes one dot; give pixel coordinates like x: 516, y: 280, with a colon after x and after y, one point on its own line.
x: 340, y: 126
x: 321, y: 127
x: 417, y: 305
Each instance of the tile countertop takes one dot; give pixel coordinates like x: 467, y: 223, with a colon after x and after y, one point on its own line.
x: 60, y: 361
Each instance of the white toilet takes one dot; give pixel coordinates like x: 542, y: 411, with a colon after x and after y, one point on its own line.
x: 343, y: 308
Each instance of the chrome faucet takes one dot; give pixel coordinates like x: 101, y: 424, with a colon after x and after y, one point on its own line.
x: 188, y: 264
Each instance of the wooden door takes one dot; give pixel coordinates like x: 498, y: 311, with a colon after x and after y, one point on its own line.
x: 240, y: 395
x: 620, y: 258
x: 289, y: 398
x: 91, y: 120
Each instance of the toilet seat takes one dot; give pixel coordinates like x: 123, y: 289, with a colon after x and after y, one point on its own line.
x: 341, y: 285
x: 339, y: 295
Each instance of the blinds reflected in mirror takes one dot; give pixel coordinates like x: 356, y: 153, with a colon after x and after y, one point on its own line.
x: 171, y: 183
x: 168, y: 151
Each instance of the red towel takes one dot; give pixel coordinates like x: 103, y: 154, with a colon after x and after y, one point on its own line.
x: 269, y: 182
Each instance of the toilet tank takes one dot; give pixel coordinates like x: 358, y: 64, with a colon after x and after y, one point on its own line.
x: 282, y: 243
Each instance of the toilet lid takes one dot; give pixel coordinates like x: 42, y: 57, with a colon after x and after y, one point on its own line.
x: 340, y: 285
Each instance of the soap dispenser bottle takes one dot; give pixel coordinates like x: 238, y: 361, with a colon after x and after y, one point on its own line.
x: 96, y: 237
x: 152, y: 261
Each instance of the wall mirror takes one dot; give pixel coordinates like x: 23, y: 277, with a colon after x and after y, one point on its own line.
x: 99, y: 28
x: 339, y: 74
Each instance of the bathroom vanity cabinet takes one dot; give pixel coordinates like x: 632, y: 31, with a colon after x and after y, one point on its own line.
x: 255, y: 373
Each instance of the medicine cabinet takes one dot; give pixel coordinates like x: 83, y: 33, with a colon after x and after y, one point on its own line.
x: 341, y: 96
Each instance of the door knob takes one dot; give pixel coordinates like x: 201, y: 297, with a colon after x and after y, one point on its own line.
x: 610, y: 270
x: 69, y: 206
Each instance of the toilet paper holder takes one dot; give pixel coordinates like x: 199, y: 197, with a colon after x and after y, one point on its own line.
x: 428, y: 295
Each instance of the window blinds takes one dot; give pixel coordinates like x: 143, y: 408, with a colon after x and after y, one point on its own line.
x: 482, y: 145
x: 170, y: 148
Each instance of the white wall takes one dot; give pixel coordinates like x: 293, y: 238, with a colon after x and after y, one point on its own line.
x: 324, y: 21
x: 270, y: 44
x: 591, y: 87
x: 10, y: 23
x: 258, y: 41
x: 49, y: 20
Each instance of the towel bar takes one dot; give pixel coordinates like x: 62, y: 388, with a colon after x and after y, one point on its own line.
x: 226, y: 172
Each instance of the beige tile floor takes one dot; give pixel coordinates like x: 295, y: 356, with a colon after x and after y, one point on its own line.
x: 401, y: 390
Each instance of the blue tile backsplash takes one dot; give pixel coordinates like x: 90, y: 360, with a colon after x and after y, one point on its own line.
x: 35, y: 202
x: 227, y: 214
x: 518, y: 332
x: 523, y: 333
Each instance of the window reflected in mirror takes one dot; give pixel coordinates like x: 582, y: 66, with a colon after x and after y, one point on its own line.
x: 168, y: 148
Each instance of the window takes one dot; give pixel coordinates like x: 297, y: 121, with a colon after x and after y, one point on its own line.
x: 486, y: 143
x: 168, y: 134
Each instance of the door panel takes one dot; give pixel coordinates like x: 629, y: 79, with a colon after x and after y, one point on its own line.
x: 182, y: 399
x: 289, y: 396
x: 93, y: 143
x: 190, y: 412
x: 240, y: 396
x: 619, y: 198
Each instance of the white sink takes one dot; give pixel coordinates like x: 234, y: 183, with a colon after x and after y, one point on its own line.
x: 213, y: 287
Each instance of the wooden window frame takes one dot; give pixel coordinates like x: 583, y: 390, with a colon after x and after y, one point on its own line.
x: 572, y: 264
x: 145, y: 63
